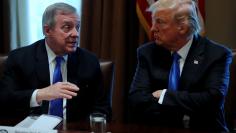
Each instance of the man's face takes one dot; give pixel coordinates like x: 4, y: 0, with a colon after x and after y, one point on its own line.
x: 63, y: 37
x: 164, y: 28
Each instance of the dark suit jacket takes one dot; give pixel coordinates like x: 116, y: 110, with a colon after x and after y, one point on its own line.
x: 28, y: 69
x: 202, y: 89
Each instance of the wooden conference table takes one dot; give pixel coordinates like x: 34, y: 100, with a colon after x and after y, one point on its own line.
x: 113, y: 127
x: 125, y: 128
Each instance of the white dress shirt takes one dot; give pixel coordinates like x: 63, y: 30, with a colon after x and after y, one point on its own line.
x: 52, y: 64
x: 183, y: 52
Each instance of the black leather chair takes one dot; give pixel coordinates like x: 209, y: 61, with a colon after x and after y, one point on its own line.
x: 107, y: 68
x: 2, y: 61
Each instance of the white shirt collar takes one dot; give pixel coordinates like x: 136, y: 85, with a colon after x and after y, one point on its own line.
x: 183, y: 52
x: 52, y: 55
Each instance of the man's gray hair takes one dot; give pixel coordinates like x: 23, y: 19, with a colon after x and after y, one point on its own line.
x: 52, y: 10
x: 180, y: 15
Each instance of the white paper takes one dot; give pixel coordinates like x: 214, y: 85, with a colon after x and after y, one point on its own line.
x: 7, y: 129
x: 46, y: 122
x: 27, y: 122
x: 40, y: 122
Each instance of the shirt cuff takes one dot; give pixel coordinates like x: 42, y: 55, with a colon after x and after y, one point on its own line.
x: 33, y: 101
x: 160, y: 101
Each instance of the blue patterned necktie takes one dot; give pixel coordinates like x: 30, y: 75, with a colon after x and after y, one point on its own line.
x: 56, y: 105
x: 174, y: 73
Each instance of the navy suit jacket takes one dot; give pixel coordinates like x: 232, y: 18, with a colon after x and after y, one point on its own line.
x: 27, y: 69
x: 202, y: 88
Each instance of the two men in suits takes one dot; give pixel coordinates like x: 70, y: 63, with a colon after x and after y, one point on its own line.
x: 27, y: 85
x: 203, y: 69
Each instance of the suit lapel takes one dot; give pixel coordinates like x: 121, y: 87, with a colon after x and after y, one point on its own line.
x: 42, y: 67
x: 193, y: 63
x: 72, y: 65
x: 72, y: 76
x: 42, y: 70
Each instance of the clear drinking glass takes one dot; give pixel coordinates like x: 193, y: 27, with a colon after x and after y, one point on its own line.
x: 98, y: 123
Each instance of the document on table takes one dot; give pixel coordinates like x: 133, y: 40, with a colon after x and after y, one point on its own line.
x: 8, y: 129
x: 27, y: 122
x: 46, y: 122
x: 40, y: 122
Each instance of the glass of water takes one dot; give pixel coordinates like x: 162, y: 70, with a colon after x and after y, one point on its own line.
x: 98, y: 123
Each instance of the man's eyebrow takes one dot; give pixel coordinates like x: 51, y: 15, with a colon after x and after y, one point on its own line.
x: 67, y: 21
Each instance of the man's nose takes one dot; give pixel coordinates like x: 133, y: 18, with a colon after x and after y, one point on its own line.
x: 154, y: 28
x: 74, y: 32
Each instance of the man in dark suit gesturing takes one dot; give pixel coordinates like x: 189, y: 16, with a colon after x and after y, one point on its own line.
x: 30, y: 71
x: 180, y: 76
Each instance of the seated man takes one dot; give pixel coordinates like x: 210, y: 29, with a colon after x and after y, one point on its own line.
x: 53, y: 75
x: 181, y: 75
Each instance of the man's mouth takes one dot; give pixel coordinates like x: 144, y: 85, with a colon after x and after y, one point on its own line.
x: 155, y: 36
x: 73, y: 44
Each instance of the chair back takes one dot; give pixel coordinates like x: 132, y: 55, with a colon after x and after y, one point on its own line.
x: 2, y: 62
x: 107, y: 68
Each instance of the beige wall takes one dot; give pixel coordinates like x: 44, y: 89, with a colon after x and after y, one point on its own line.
x: 221, y: 21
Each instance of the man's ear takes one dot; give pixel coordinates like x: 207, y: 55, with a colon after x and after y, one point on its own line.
x: 46, y: 30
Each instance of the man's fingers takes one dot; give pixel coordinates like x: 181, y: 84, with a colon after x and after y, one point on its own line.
x: 69, y: 86
x: 66, y: 96
x: 68, y: 83
x: 67, y: 92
